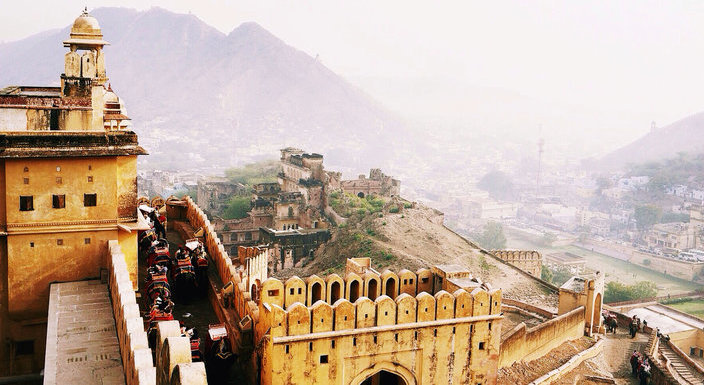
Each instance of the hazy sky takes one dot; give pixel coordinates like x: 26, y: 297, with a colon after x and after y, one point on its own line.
x: 628, y: 61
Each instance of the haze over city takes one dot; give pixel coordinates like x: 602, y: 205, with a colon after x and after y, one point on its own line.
x: 593, y: 74
x: 351, y: 193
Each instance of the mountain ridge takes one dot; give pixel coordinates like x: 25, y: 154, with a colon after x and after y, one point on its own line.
x: 196, y: 93
x: 684, y: 135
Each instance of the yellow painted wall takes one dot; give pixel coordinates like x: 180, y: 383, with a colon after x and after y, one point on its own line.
x: 31, y: 269
x: 127, y: 186
x: 688, y: 339
x: 74, y: 173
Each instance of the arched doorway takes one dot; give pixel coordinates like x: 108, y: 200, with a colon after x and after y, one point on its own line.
x: 354, y: 290
x: 334, y: 292
x: 596, y: 316
x: 384, y: 378
x: 317, y: 291
x: 391, y: 288
x: 253, y: 292
x: 372, y: 289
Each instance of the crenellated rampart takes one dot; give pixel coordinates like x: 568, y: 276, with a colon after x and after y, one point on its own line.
x: 297, y: 318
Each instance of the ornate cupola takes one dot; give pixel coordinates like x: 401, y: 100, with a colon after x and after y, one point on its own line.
x: 86, y: 68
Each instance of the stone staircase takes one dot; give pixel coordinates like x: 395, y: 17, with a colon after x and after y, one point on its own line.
x: 682, y: 371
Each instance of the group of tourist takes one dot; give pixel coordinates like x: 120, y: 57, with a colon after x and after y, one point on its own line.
x: 640, y: 367
x: 635, y: 325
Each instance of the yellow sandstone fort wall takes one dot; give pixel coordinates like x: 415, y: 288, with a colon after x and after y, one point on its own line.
x: 429, y: 337
x: 523, y: 344
x: 424, y: 337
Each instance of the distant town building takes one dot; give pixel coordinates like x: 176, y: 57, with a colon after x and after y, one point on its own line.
x: 286, y: 215
x: 491, y: 209
x: 574, y: 263
x: 378, y: 183
x: 679, y: 236
x: 214, y: 193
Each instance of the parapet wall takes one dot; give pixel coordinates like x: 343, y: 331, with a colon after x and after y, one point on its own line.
x: 134, y: 348
x: 227, y: 271
x: 529, y: 261
x: 523, y: 344
x: 172, y: 358
x: 658, y: 370
x: 298, y: 319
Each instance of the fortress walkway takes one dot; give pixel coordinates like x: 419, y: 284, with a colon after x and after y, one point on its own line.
x: 81, y: 339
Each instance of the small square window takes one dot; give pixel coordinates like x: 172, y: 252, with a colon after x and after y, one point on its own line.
x: 26, y: 203
x: 86, y: 241
x: 26, y: 169
x: 90, y: 200
x: 396, y: 337
x: 286, y: 348
x: 58, y: 201
x: 375, y: 339
x: 310, y: 346
x: 332, y: 344
x: 26, y: 180
x: 31, y: 244
x: 293, y: 291
x: 354, y: 341
x: 59, y: 180
x: 324, y: 359
x: 90, y: 178
x: 59, y: 242
x: 300, y: 291
x: 24, y: 348
x: 481, y: 346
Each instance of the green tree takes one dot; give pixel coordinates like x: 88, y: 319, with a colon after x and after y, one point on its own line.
x: 548, y: 239
x: 546, y: 274
x: 492, y: 238
x: 617, y: 292
x: 644, y: 289
x: 646, y: 216
x: 237, y: 207
x: 556, y: 276
x: 498, y: 184
x: 253, y: 173
x: 603, y: 183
